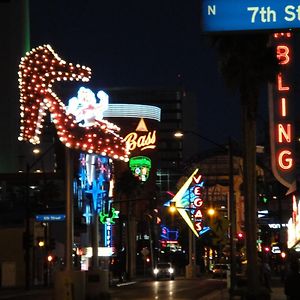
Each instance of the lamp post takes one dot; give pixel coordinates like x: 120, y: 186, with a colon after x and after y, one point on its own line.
x: 232, y: 216
x: 191, y: 267
x: 28, y: 236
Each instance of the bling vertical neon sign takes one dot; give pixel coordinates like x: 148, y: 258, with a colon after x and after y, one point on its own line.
x: 281, y: 118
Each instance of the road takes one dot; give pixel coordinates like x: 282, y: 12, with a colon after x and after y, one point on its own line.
x: 179, y: 288
x: 168, y: 290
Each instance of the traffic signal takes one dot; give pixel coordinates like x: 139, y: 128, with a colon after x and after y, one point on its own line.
x: 263, y: 198
x: 240, y: 240
x: 240, y: 235
x: 283, y: 255
x: 40, y: 242
x: 50, y: 258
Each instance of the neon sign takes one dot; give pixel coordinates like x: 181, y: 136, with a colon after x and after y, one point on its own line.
x: 141, y: 138
x: 141, y: 141
x: 140, y: 167
x: 87, y: 109
x: 109, y: 218
x: 38, y: 70
x: 188, y: 202
x: 281, y: 118
x: 294, y: 224
x: 169, y: 235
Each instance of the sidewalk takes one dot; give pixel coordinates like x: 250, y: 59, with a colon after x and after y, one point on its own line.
x: 20, y: 293
x: 276, y: 294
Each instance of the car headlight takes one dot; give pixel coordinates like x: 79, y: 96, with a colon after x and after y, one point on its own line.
x: 171, y: 270
x: 155, y: 271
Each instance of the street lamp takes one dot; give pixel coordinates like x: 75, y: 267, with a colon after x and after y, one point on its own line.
x: 232, y: 216
x: 211, y: 211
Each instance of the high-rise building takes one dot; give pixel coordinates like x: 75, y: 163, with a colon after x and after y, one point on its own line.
x: 14, y: 34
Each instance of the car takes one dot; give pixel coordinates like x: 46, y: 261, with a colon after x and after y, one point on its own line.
x: 220, y: 270
x: 164, y: 270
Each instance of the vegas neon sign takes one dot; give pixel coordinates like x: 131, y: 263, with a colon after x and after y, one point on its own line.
x: 281, y: 117
x: 189, y: 202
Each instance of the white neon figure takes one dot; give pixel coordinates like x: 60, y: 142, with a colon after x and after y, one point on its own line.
x: 85, y: 107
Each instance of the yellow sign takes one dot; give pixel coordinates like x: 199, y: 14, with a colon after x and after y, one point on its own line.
x: 143, y: 142
x: 219, y: 225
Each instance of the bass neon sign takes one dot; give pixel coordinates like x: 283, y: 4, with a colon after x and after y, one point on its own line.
x: 141, y: 141
x: 281, y: 119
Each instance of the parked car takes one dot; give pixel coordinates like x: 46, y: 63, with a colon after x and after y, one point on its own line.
x: 220, y: 270
x: 164, y: 270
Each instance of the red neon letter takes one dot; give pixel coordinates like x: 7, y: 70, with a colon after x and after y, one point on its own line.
x: 197, y: 179
x: 198, y: 226
x: 283, y: 107
x: 198, y: 202
x: 284, y: 132
x: 283, y: 54
x: 280, y: 85
x: 285, y: 160
x: 198, y: 214
x: 197, y: 190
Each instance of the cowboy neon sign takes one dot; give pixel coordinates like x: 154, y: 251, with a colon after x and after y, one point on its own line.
x: 189, y: 198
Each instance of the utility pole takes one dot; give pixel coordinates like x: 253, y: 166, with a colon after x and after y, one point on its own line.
x: 232, y: 219
x: 232, y: 206
x: 69, y: 210
x: 28, y: 235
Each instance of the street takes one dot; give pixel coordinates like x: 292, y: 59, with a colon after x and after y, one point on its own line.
x: 179, y: 288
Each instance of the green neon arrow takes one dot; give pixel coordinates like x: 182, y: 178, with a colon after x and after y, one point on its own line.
x: 177, y: 199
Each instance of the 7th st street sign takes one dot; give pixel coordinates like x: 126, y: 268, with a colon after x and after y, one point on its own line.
x: 241, y: 15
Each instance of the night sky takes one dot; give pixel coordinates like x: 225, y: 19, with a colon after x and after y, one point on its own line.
x: 134, y: 43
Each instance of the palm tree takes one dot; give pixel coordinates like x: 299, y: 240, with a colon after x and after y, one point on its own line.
x: 128, y: 191
x: 247, y: 62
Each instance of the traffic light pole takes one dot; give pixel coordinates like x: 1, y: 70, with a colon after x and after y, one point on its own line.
x: 232, y: 218
x: 69, y: 210
x: 28, y: 236
x: 232, y: 206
